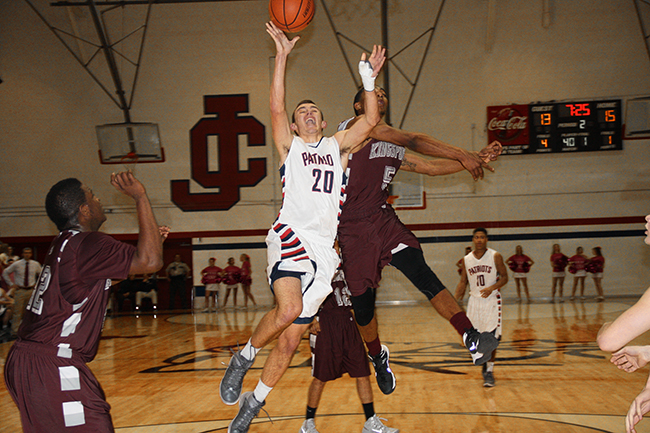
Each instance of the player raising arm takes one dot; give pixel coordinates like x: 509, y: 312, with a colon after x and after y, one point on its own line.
x: 300, y: 243
x: 371, y: 235
x: 46, y: 370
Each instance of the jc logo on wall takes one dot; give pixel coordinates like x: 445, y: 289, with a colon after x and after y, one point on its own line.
x: 227, y: 125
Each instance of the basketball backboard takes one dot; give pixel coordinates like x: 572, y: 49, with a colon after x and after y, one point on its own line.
x: 129, y: 142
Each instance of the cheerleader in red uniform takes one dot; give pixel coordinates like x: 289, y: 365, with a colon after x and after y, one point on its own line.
x: 520, y: 264
x: 596, y: 266
x: 558, y: 264
x: 577, y: 265
x: 211, y: 277
x: 231, y: 278
x: 246, y: 279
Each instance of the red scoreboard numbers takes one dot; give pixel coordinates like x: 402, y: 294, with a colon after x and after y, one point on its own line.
x: 571, y: 127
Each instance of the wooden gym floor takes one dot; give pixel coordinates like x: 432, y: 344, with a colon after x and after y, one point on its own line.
x: 161, y: 374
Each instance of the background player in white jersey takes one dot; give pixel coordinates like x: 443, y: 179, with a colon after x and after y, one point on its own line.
x: 486, y: 273
x: 301, y: 256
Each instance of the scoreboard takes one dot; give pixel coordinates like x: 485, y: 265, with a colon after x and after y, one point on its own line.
x: 557, y: 127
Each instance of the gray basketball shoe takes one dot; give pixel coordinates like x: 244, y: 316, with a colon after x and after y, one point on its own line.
x: 308, y: 426
x: 231, y: 384
x: 374, y: 425
x: 248, y: 409
x: 488, y: 379
x: 480, y: 345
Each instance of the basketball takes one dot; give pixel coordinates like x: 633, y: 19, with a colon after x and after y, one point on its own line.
x: 291, y: 16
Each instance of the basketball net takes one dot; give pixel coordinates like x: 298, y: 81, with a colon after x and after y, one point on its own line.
x: 130, y: 160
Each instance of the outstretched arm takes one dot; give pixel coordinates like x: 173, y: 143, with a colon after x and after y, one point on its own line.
x: 629, y: 325
x: 427, y: 145
x: 441, y: 167
x: 351, y: 139
x: 148, y: 256
x: 282, y: 135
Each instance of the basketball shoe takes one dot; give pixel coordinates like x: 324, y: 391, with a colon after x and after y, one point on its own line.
x: 308, y: 426
x: 231, y: 384
x: 383, y: 373
x: 488, y: 378
x: 248, y: 409
x: 480, y: 345
x: 374, y: 425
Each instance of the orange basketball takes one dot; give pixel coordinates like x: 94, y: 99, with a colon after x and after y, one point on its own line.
x: 291, y: 15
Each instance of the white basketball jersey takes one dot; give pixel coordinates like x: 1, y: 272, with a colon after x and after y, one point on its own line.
x: 481, y: 273
x: 313, y: 190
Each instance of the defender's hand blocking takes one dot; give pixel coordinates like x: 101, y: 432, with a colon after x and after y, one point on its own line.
x: 369, y: 69
x: 491, y: 152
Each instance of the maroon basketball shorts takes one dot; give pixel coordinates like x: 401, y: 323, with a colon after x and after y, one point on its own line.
x: 55, y: 394
x: 367, y: 246
x: 338, y: 348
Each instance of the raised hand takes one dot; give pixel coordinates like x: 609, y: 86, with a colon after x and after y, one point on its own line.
x: 282, y: 44
x: 164, y: 232
x: 127, y: 184
x: 376, y: 59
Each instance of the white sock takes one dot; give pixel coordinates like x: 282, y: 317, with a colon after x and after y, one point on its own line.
x: 489, y: 366
x: 249, y: 352
x: 261, y: 391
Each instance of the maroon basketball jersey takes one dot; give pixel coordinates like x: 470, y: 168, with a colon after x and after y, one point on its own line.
x: 68, y: 305
x: 370, y: 171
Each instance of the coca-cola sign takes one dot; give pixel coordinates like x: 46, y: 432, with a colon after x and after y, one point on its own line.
x: 508, y: 124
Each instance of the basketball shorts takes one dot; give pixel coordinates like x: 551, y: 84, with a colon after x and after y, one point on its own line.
x: 559, y: 274
x: 55, y: 394
x: 485, y: 313
x: 368, y: 244
x: 520, y: 275
x: 597, y: 275
x: 338, y: 348
x: 212, y: 287
x: 580, y: 273
x: 315, y: 264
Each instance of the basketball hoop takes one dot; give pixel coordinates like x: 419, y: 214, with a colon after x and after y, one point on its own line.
x: 130, y: 160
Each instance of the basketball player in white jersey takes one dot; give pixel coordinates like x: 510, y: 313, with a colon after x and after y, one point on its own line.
x: 301, y: 255
x: 486, y: 273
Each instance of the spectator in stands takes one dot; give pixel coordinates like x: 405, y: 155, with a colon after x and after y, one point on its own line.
x: 148, y: 288
x: 25, y: 272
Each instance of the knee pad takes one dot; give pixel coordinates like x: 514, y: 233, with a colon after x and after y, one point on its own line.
x: 410, y: 261
x: 364, y: 307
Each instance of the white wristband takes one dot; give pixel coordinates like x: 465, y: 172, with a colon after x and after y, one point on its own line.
x: 365, y: 70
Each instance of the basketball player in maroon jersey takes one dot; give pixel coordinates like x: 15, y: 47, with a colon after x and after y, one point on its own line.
x: 46, y: 372
x: 372, y: 236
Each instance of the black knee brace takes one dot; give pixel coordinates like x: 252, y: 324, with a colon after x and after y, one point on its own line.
x: 410, y: 261
x: 364, y: 307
